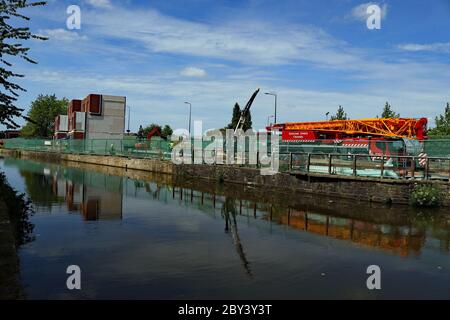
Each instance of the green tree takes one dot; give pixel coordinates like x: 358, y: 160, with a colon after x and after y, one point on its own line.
x: 42, y: 116
x: 150, y: 127
x: 140, y: 133
x: 248, y: 121
x: 388, y: 112
x: 340, y: 114
x: 235, y: 117
x: 237, y: 112
x: 10, y: 46
x: 442, y: 124
x: 166, y: 131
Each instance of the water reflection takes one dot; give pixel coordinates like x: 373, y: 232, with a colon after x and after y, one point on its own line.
x: 142, y: 235
x: 229, y: 213
x: 399, y: 239
x: 93, y: 195
x: 98, y: 196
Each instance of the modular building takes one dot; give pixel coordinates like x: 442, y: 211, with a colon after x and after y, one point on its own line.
x: 105, y: 116
x: 61, y: 126
x: 97, y: 117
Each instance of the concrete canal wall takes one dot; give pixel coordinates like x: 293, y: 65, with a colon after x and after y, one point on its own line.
x: 358, y: 188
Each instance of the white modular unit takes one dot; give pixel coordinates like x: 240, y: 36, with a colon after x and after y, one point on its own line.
x: 110, y: 124
x: 63, y: 123
x: 80, y: 121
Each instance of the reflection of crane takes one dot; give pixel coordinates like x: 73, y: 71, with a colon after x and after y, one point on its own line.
x: 229, y: 212
x: 245, y: 112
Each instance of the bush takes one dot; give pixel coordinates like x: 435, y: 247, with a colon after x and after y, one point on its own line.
x: 20, y: 211
x: 426, y: 196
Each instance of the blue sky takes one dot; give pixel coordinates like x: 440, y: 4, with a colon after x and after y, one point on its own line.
x: 315, y: 54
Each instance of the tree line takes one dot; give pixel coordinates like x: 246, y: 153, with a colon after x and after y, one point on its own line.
x: 43, y: 111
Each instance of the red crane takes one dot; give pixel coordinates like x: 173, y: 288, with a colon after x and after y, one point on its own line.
x: 373, y: 135
x: 155, y: 132
x: 341, y: 129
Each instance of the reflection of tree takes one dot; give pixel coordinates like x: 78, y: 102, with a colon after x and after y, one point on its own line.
x: 437, y: 224
x: 19, y: 210
x: 39, y: 188
x: 229, y: 213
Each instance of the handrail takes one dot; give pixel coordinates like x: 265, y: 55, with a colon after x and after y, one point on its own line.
x: 361, y: 155
x: 401, y: 171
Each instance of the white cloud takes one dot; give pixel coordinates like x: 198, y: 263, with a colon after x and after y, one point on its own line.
x: 360, y: 12
x: 413, y: 88
x: 255, y: 43
x: 62, y: 35
x: 100, y: 3
x: 432, y: 47
x: 193, y: 72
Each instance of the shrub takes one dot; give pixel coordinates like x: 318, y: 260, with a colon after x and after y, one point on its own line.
x: 20, y: 211
x: 426, y: 196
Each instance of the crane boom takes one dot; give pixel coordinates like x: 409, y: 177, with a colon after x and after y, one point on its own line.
x: 245, y: 112
x: 390, y: 127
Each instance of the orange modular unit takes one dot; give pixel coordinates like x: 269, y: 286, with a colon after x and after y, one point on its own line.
x: 74, y: 106
x: 60, y: 135
x: 78, y: 135
x: 341, y: 129
x: 93, y: 104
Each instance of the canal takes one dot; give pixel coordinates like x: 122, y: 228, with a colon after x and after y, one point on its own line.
x: 138, y: 235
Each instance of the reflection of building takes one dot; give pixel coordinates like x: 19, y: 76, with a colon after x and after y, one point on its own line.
x: 101, y: 205
x: 74, y: 195
x: 95, y: 196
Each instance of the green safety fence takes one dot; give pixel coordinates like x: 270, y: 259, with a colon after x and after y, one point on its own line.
x: 156, y: 148
x: 160, y: 148
x: 437, y: 148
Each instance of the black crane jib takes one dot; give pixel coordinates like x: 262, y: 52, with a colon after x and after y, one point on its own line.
x: 250, y: 102
x: 245, y: 111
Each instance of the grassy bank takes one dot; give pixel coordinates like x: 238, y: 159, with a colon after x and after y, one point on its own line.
x: 15, y: 230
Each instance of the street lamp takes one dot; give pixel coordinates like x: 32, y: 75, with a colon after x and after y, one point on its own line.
x: 129, y: 116
x: 326, y: 115
x: 190, y: 114
x: 276, y: 96
x: 268, y: 119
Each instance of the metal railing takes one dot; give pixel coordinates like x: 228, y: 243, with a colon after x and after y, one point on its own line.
x: 363, y: 165
x: 292, y: 157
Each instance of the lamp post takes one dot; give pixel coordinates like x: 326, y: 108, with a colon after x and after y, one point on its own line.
x: 190, y: 114
x: 129, y: 116
x: 276, y: 97
x: 326, y: 115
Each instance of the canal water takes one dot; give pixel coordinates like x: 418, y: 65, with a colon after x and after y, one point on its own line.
x: 141, y: 236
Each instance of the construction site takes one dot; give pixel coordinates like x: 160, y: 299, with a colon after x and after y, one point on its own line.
x: 393, y: 148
